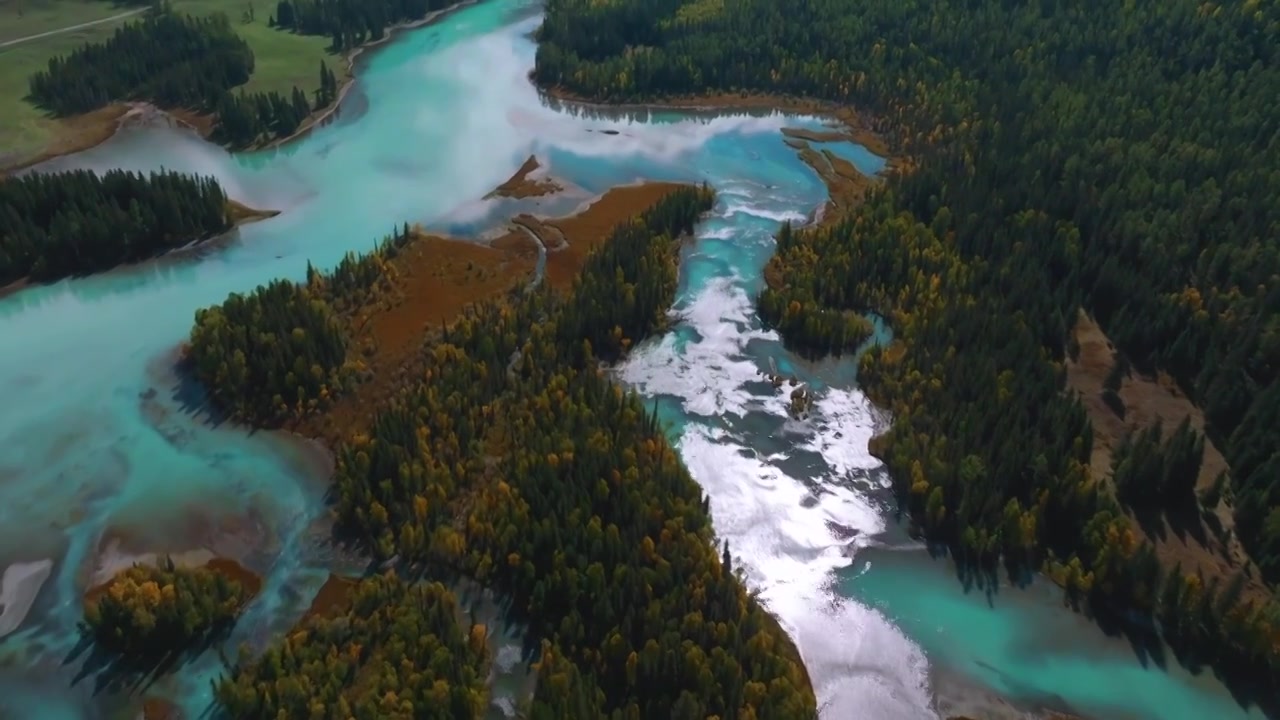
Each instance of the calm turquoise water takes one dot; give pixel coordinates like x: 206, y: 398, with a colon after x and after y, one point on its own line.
x: 103, y: 453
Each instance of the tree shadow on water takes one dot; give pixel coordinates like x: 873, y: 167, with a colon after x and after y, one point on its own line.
x: 191, y: 397
x: 115, y: 674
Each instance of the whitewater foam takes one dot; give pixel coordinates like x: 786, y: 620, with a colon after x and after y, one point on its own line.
x: 708, y: 372
x: 782, y: 535
x: 846, y: 421
x: 765, y: 214
x: 791, y: 524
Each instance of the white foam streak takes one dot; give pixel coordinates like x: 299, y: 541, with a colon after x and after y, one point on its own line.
x: 788, y: 534
x: 781, y: 535
x: 765, y: 214
x: 846, y: 422
x: 710, y: 372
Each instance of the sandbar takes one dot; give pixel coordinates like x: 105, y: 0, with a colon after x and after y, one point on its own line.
x: 527, y: 182
x: 18, y: 590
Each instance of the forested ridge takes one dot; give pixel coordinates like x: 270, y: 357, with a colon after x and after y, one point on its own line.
x: 516, y: 461
x: 53, y: 225
x: 1123, y: 158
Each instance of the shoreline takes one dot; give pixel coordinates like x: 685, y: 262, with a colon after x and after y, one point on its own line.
x: 858, y: 132
x: 320, y: 117
x: 531, y: 180
x: 855, y: 125
x: 239, y: 213
x: 438, y: 276
x: 100, y: 126
x: 579, y: 233
x: 104, y: 123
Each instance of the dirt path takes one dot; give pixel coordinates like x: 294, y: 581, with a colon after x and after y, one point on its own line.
x: 69, y: 28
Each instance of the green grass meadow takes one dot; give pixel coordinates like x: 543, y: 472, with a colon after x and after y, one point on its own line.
x: 282, y: 60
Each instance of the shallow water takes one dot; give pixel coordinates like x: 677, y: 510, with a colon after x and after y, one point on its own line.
x: 99, y: 441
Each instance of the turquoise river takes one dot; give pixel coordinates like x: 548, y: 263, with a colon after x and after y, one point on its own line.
x: 105, y: 455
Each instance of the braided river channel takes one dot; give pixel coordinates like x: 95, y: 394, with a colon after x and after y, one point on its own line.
x: 103, y: 448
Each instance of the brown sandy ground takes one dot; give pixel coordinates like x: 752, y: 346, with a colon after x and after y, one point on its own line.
x: 436, y: 279
x: 331, y: 598
x: 157, y: 708
x: 585, y: 231
x: 846, y: 185
x: 1149, y: 400
x: 522, y: 186
x: 242, y: 214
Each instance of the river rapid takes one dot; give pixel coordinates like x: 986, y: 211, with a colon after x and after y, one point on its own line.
x: 104, y: 452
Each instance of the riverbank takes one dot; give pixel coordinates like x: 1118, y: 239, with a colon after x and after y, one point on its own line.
x: 582, y: 232
x: 87, y: 131
x: 19, y: 586
x: 84, y: 132
x: 77, y: 134
x: 323, y: 115
x: 846, y: 185
x: 237, y: 212
x: 849, y: 124
x: 437, y: 278
x: 204, y: 124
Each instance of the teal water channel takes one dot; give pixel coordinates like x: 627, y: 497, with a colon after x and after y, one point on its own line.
x: 105, y: 454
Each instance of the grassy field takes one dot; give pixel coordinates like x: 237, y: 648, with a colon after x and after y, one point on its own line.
x: 20, y: 18
x: 282, y: 61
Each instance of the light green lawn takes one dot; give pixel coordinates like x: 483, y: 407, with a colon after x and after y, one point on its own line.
x: 282, y: 60
x: 20, y: 18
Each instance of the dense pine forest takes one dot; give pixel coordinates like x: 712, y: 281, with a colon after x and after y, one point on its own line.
x: 517, y: 462
x: 1119, y: 158
x: 351, y: 23
x: 174, y: 61
x: 59, y: 224
x: 397, y: 651
x: 280, y: 352
x: 146, y: 613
